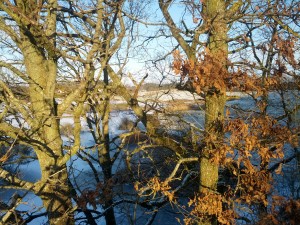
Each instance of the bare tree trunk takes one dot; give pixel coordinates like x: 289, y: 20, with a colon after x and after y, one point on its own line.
x: 215, y: 99
x: 214, y: 116
x: 53, y: 187
x: 55, y: 193
x: 104, y: 156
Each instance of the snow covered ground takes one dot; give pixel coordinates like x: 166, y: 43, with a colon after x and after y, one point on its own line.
x: 169, y: 95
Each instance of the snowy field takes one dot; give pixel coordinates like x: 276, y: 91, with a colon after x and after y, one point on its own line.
x: 169, y: 95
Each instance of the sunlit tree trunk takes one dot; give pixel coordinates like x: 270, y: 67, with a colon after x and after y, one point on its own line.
x: 104, y: 152
x: 41, y: 68
x: 53, y: 187
x: 215, y: 23
x: 215, y: 98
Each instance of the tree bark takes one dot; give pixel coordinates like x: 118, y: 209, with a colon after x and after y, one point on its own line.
x: 104, y: 154
x: 54, y: 190
x: 53, y: 187
x: 214, y: 116
x: 215, y: 98
x: 41, y: 67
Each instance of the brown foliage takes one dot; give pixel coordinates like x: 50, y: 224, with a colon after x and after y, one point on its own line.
x: 250, y: 145
x: 208, y: 72
x: 211, y: 204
